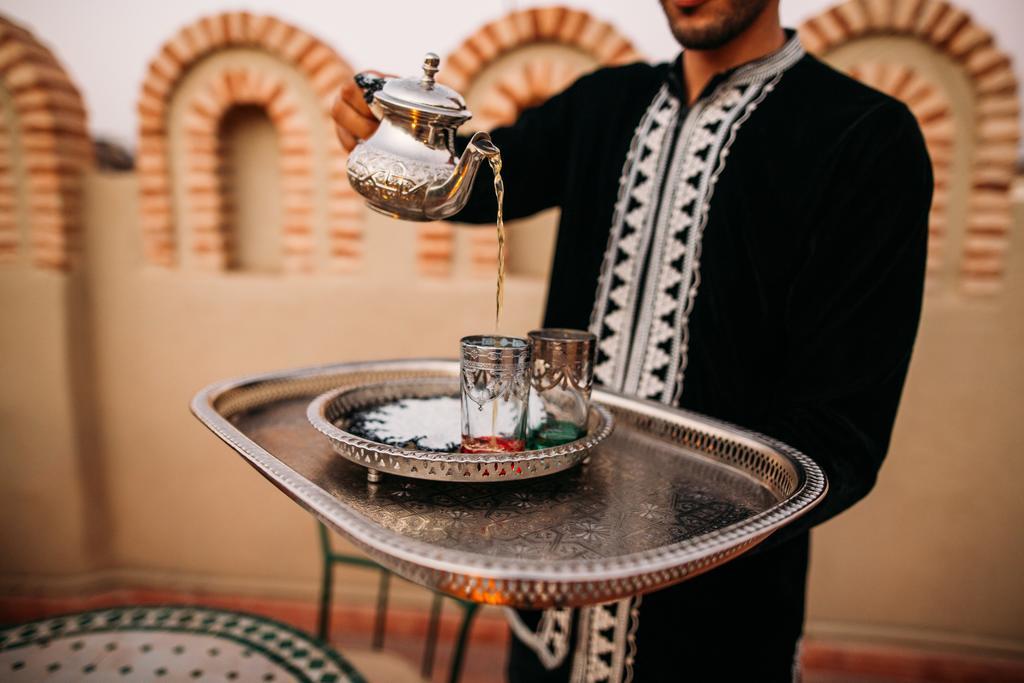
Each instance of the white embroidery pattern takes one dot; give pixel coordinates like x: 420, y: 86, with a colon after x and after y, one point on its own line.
x: 551, y: 640
x: 653, y: 364
x: 642, y: 175
x: 643, y: 336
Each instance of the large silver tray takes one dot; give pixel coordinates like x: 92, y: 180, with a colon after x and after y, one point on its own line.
x: 327, y: 411
x: 667, y: 496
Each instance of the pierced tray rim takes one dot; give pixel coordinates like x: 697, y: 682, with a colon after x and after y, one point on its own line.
x: 564, y: 456
x: 649, y: 568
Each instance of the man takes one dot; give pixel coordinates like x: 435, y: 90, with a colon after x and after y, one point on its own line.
x: 745, y: 231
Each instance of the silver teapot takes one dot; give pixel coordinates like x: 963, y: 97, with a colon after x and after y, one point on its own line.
x: 408, y: 168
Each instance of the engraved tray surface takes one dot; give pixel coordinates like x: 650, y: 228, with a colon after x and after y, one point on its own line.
x: 668, y: 495
x: 329, y: 413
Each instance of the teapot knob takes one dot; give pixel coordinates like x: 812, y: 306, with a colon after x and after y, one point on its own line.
x: 430, y: 67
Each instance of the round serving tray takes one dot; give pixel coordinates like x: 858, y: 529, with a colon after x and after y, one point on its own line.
x: 331, y: 413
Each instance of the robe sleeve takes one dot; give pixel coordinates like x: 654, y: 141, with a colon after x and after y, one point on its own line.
x: 534, y: 161
x: 852, y: 312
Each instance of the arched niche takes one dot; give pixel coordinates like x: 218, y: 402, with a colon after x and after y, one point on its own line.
x: 960, y: 86
x: 205, y: 72
x: 44, y: 150
x: 504, y: 67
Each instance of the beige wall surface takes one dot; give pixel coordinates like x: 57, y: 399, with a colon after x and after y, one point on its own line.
x: 935, y: 552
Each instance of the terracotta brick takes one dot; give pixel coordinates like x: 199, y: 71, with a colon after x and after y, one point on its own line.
x: 1000, y: 80
x: 483, y: 45
x: 27, y: 75
x: 197, y: 39
x: 296, y: 165
x: 465, y: 61
x: 989, y: 201
x: 256, y: 27
x: 153, y: 223
x: 996, y: 154
x: 205, y: 223
x: 295, y: 140
x: 435, y: 251
x: 525, y: 25
x: 538, y: 77
x: 952, y: 21
x: 276, y: 35
x: 504, y: 33
x: 345, y: 231
x: 47, y: 98
x: 928, y: 16
x: 997, y: 105
x: 830, y: 29
x: 879, y: 13
x: 267, y: 88
x: 904, y: 14
x: 999, y: 129
x: 164, y: 65
x: 498, y: 107
x: 812, y: 39
x: 329, y: 78
x: 984, y: 60
x: 548, y: 20
x: 931, y: 107
x: 592, y: 34
x: 195, y: 123
x: 178, y: 49
x: 969, y: 37
x: 317, y: 56
x: 562, y: 74
x: 991, y: 175
x: 214, y: 30
x: 854, y: 16
x: 982, y: 286
x: 572, y: 24
x: 150, y: 105
x: 940, y: 132
x: 154, y: 163
x: 235, y: 27
x: 613, y: 49
x: 990, y: 222
x: 516, y: 87
x: 282, y: 107
x: 298, y: 45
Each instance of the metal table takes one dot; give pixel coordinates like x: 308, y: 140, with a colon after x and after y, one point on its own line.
x: 669, y: 495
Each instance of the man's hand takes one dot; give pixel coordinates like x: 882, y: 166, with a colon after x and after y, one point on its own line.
x: 353, y: 120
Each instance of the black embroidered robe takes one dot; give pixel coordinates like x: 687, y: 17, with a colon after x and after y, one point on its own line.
x: 757, y: 256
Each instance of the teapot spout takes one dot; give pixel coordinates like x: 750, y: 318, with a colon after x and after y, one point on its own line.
x: 447, y: 198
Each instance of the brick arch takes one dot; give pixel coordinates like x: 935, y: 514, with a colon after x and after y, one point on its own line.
x: 325, y: 71
x: 206, y: 220
x: 952, y: 33
x: 520, y: 86
x: 44, y: 143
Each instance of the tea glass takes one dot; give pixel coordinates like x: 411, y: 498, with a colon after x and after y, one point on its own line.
x: 495, y: 382
x: 561, y: 377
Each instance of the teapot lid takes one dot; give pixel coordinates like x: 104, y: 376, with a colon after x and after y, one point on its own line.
x: 424, y: 95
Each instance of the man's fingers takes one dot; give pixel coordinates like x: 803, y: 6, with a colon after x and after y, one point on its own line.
x: 353, y: 95
x: 355, y: 123
x: 347, y: 140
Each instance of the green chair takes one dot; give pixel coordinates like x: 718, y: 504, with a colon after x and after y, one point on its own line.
x: 331, y: 558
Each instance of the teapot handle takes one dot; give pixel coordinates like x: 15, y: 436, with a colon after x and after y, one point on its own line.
x: 370, y: 83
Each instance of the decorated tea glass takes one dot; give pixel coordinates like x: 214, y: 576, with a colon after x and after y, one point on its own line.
x: 495, y: 393
x: 561, y: 377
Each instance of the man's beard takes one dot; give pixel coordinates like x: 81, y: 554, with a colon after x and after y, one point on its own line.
x: 725, y: 26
